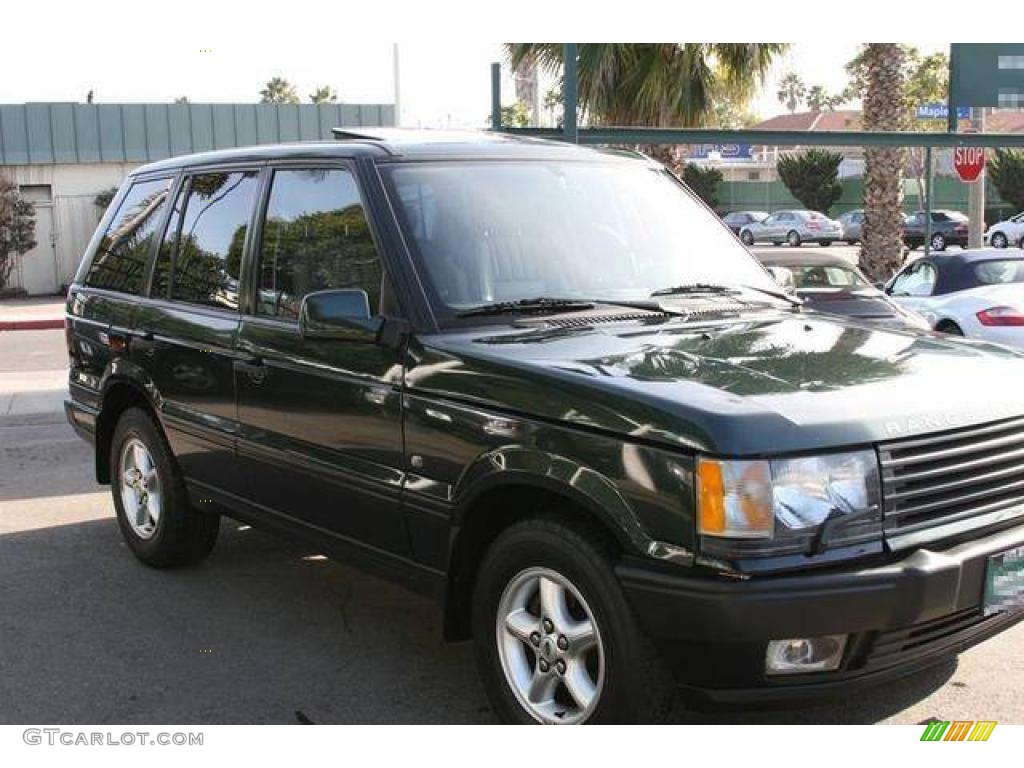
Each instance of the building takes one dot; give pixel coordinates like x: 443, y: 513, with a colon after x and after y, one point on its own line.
x: 62, y: 155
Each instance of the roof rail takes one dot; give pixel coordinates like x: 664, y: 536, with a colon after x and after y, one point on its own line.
x: 348, y: 134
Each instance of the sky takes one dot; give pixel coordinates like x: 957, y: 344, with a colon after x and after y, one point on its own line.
x: 440, y: 86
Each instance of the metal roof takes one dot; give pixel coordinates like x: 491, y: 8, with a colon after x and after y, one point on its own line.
x: 47, y: 133
x: 409, y: 143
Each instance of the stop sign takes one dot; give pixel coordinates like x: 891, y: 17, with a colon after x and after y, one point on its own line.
x: 969, y: 162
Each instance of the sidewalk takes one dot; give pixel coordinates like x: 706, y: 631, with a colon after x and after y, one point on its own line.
x: 32, y: 314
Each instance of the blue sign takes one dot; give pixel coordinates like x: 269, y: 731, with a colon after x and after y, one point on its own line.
x: 940, y: 111
x: 725, y: 151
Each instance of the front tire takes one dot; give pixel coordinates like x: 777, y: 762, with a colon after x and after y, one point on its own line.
x: 999, y: 240
x: 746, y: 237
x: 793, y: 238
x: 825, y: 243
x: 154, y: 513
x: 938, y: 242
x: 555, y: 640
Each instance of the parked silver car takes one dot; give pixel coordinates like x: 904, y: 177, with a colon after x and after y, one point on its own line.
x: 852, y: 223
x: 794, y: 228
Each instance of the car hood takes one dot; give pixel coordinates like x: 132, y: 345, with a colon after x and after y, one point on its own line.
x: 783, y: 382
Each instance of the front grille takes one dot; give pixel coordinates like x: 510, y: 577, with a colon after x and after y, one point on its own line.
x: 952, y: 476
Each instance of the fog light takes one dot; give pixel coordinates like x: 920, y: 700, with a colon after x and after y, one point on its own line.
x: 804, y: 654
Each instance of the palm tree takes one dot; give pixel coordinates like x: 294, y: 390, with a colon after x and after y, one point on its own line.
x: 279, y: 91
x: 323, y: 95
x: 884, y: 110
x: 791, y: 91
x: 654, y: 84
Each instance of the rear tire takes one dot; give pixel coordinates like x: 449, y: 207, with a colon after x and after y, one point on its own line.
x: 527, y: 677
x: 746, y: 237
x: 154, y: 513
x: 948, y: 326
x: 938, y: 242
x: 825, y: 243
x: 999, y: 240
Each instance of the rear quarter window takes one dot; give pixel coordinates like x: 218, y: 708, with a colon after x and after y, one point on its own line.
x: 119, y: 263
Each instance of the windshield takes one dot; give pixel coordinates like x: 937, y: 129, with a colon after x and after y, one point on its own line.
x: 486, y: 232
x: 810, y: 277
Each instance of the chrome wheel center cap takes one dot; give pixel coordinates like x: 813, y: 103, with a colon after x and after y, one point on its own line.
x: 548, y: 650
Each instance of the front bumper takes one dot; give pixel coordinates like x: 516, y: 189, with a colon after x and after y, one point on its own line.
x: 900, y: 616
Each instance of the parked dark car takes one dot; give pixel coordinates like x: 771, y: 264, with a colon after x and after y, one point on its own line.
x: 831, y: 284
x: 739, y: 219
x: 545, y: 385
x: 948, y: 228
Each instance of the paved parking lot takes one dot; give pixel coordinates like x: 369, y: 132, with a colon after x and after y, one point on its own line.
x: 269, y: 632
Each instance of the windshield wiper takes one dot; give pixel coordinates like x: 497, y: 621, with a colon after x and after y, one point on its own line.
x: 540, y: 304
x: 711, y: 288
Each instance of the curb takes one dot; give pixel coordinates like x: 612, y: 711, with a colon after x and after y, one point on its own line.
x: 32, y: 325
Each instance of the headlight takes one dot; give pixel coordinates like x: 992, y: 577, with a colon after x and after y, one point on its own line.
x: 787, y: 506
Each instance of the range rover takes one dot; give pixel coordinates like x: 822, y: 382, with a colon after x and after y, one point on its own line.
x: 546, y: 386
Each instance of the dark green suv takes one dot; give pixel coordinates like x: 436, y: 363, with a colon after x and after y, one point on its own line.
x: 546, y: 386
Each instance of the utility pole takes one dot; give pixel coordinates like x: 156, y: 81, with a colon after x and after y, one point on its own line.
x: 398, y: 86
x: 976, y: 191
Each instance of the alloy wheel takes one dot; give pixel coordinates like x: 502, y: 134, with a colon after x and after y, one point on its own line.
x: 140, y: 488
x: 550, y: 647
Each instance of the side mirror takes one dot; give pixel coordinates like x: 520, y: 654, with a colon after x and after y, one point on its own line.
x: 342, y: 314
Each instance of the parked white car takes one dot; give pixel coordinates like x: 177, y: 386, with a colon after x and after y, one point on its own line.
x: 794, y: 228
x: 1006, y: 233
x: 976, y: 293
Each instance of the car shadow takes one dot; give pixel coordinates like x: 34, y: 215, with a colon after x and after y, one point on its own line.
x: 264, y: 631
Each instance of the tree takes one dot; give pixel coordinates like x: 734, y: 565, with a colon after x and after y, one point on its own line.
x: 17, y: 227
x: 703, y: 181
x: 819, y: 99
x: 812, y: 177
x: 1006, y: 172
x: 885, y: 109
x: 279, y: 91
x: 653, y: 84
x: 323, y: 95
x: 791, y: 91
x: 927, y: 82
x: 516, y: 115
x: 104, y: 198
x: 553, y: 105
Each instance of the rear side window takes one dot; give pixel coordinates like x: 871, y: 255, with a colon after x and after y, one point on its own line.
x: 316, y: 236
x: 120, y: 260
x: 1000, y: 272
x: 201, y: 258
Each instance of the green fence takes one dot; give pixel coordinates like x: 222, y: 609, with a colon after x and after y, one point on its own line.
x: 770, y: 196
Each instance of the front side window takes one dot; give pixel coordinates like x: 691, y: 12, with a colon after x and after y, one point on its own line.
x: 316, y: 237
x: 486, y: 232
x: 919, y: 280
x: 207, y: 252
x: 120, y: 260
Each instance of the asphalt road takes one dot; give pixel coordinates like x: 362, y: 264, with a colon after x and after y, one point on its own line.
x: 266, y: 631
